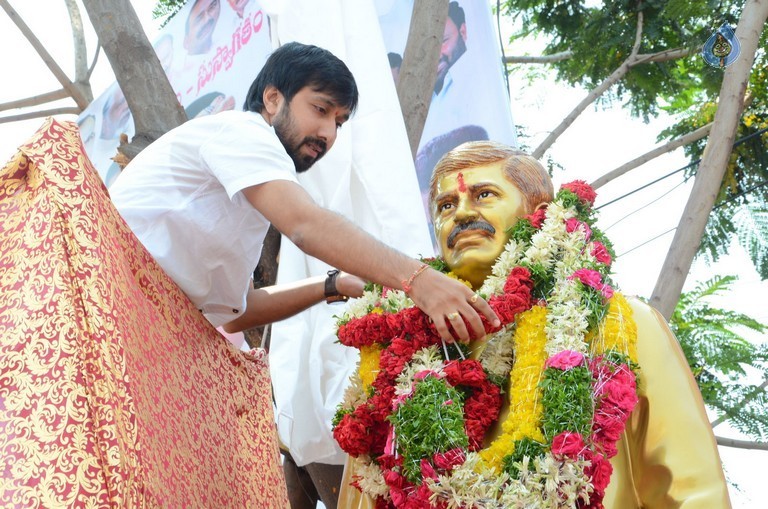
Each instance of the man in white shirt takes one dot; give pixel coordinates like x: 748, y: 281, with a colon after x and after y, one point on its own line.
x: 202, y: 196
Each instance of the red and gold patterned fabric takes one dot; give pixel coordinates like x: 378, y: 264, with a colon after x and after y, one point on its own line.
x: 114, y: 390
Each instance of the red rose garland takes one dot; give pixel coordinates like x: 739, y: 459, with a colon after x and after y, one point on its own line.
x: 581, y: 189
x: 365, y: 430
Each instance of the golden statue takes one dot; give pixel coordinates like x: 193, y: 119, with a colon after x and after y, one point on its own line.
x: 666, y: 456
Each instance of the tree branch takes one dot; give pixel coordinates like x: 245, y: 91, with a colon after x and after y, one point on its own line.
x: 579, y: 109
x: 638, y: 35
x: 596, y: 92
x: 749, y: 397
x: 709, y: 175
x: 741, y: 444
x: 149, y: 95
x: 35, y: 100
x: 419, y: 68
x: 81, y: 54
x: 668, y: 147
x: 667, y: 55
x: 540, y: 59
x: 698, y: 134
x: 74, y: 90
x: 44, y: 113
x: 95, y: 59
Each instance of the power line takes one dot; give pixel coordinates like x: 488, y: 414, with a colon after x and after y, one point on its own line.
x: 735, y: 144
x: 648, y: 184
x: 644, y: 206
x: 722, y: 203
x: 646, y: 242
x: 739, y: 194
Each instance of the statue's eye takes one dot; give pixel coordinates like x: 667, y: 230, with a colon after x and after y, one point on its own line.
x: 485, y: 194
x: 445, y: 206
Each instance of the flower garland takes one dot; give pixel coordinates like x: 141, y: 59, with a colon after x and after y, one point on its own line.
x: 418, y: 416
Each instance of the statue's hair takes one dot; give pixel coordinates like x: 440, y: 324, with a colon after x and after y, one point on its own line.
x: 523, y: 170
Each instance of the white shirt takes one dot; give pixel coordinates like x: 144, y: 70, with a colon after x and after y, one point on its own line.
x: 181, y: 197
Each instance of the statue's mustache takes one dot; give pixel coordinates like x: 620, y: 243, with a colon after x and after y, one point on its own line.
x: 472, y: 225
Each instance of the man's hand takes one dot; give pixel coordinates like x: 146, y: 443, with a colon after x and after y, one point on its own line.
x: 319, y: 233
x: 447, y: 301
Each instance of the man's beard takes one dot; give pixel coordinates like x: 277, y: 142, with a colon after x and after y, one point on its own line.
x: 458, y: 50
x: 285, y: 129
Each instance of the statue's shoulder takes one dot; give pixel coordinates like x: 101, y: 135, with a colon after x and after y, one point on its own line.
x: 652, y: 328
x: 641, y: 308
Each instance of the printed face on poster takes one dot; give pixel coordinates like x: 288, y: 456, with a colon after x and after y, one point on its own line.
x: 469, y: 101
x: 211, y: 51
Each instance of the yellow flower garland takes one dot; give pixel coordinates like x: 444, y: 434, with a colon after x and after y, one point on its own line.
x: 369, y: 359
x: 525, y: 409
x: 370, y: 356
x: 457, y: 278
x: 618, y: 331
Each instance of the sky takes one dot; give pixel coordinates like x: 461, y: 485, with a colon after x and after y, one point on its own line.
x: 599, y: 141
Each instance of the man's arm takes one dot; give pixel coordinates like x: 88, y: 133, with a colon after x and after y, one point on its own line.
x: 274, y: 303
x: 335, y: 240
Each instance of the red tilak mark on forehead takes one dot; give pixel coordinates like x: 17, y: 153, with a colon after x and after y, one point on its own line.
x: 462, y: 185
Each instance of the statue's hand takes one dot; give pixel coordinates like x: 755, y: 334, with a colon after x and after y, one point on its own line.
x: 446, y: 301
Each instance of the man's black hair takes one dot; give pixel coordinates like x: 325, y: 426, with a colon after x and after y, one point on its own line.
x: 395, y: 60
x: 456, y: 13
x: 295, y: 66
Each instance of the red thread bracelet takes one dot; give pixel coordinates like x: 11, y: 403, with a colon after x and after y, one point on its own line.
x: 407, y: 283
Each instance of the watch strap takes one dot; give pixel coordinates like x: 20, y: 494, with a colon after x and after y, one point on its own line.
x: 331, y: 293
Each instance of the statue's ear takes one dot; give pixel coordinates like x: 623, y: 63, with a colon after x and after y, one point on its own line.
x: 541, y: 205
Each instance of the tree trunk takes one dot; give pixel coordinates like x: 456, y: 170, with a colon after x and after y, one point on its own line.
x: 265, y: 275
x: 419, y: 68
x: 710, y: 174
x: 150, y: 96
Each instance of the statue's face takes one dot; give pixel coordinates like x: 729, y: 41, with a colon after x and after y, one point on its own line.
x: 472, y: 211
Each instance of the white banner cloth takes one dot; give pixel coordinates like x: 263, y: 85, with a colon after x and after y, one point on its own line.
x: 368, y: 176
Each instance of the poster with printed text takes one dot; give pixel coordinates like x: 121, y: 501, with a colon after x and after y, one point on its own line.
x: 469, y: 101
x: 211, y: 51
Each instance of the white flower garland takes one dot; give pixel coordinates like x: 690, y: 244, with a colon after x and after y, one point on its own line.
x: 544, y: 482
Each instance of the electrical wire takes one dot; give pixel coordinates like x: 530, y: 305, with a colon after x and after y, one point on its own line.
x: 742, y: 193
x: 646, y: 242
x: 722, y: 203
x: 648, y: 184
x: 697, y: 161
x: 644, y: 206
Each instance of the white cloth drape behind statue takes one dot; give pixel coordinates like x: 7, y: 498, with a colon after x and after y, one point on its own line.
x: 368, y: 176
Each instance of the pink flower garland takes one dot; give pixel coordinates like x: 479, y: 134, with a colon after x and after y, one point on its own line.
x: 366, y: 429
x: 615, y: 394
